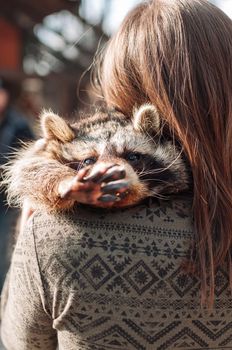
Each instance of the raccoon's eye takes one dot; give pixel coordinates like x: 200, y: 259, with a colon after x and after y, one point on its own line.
x: 89, y: 161
x: 133, y: 157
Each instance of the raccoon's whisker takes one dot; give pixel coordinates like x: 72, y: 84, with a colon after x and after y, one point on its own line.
x: 78, y: 163
x: 145, y: 171
x: 160, y: 170
x: 149, y: 137
x: 141, y: 171
x: 153, y: 171
x: 73, y: 162
x: 174, y: 160
x: 158, y: 195
x: 155, y: 193
x: 158, y: 181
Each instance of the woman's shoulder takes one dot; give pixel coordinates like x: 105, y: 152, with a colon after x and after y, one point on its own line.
x: 173, y: 216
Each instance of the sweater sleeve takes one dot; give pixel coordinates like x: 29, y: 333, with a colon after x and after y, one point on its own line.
x: 26, y: 323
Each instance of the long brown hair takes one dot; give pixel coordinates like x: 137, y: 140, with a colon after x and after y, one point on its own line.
x: 178, y: 56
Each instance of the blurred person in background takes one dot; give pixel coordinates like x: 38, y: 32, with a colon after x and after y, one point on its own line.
x: 13, y: 128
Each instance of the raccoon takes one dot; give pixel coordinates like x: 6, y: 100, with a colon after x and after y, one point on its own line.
x: 105, y: 160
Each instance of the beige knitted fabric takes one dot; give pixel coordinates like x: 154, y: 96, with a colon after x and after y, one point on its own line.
x: 98, y: 281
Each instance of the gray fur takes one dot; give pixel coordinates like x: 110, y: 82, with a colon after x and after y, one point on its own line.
x: 36, y: 170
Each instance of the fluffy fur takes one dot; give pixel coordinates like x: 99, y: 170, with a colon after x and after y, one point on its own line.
x: 152, y: 165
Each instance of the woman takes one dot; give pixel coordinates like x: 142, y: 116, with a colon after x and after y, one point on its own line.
x: 177, y: 55
x: 143, y: 278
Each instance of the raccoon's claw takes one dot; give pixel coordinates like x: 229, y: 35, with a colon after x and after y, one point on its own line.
x: 104, y: 173
x: 107, y: 198
x: 115, y: 187
x: 96, y: 175
x: 114, y: 191
x: 114, y: 173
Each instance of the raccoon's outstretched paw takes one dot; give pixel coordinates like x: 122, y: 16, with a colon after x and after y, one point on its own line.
x: 82, y: 192
x: 105, y: 173
x: 70, y: 187
x: 111, y: 178
x: 105, y: 184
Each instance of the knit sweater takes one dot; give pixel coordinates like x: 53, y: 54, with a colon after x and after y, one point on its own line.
x: 98, y: 280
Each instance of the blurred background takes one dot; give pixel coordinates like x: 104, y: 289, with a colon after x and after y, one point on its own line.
x: 47, y: 48
x: 46, y: 51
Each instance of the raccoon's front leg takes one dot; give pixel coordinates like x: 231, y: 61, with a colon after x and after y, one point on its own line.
x: 102, y: 186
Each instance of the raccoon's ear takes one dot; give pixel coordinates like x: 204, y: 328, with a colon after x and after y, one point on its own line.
x: 55, y: 127
x: 147, y: 118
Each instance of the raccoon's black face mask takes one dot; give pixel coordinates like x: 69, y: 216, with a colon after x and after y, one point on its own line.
x: 153, y: 166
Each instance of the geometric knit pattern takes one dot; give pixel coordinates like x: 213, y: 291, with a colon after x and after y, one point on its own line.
x: 99, y: 280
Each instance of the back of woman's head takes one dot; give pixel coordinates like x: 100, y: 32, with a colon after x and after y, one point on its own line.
x: 177, y: 54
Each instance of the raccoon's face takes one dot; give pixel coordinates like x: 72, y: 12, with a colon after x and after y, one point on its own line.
x: 153, y: 166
